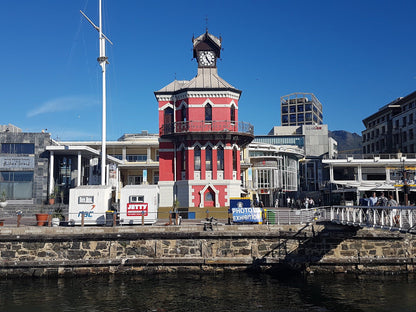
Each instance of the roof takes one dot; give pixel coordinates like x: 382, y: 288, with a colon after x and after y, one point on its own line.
x: 207, y: 78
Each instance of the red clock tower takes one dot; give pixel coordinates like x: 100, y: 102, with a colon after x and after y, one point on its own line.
x: 200, y: 136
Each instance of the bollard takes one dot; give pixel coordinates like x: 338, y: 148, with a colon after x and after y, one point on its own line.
x: 49, y: 220
x: 82, y: 219
x: 170, y: 217
x: 177, y: 218
x: 207, y: 214
x: 19, y: 217
x: 142, y: 217
x: 114, y: 218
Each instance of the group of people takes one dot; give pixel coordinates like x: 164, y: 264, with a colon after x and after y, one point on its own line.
x: 373, y: 200
x: 298, y: 203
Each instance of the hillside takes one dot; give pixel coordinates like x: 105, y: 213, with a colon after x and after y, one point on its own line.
x: 348, y: 143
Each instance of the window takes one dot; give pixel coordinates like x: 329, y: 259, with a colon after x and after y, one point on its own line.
x: 135, y: 158
x: 208, y: 196
x: 183, y: 113
x: 292, y: 118
x: 17, y: 184
x: 208, y: 112
x: 85, y: 200
x: 308, y: 117
x: 410, y: 119
x: 300, y: 108
x: 17, y: 148
x: 197, y: 158
x: 220, y: 158
x: 284, y: 118
x: 208, y: 158
x: 301, y: 118
x: 183, y: 159
x: 284, y: 109
x: 136, y: 199
x: 135, y: 180
x: 411, y: 134
x: 308, y: 107
x: 235, y: 159
x: 232, y: 113
x: 293, y: 108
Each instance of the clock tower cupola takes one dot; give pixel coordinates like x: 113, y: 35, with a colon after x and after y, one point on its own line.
x: 206, y: 50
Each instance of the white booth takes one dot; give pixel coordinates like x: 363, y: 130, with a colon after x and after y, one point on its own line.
x: 92, y: 201
x: 139, y: 203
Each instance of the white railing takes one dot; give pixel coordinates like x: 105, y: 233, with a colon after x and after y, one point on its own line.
x: 399, y: 218
x: 297, y: 216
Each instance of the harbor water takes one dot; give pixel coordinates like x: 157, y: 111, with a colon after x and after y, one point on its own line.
x: 210, y: 292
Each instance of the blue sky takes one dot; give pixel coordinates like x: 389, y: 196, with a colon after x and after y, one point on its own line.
x: 354, y: 55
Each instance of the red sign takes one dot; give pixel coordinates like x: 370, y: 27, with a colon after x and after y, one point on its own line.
x: 137, y: 209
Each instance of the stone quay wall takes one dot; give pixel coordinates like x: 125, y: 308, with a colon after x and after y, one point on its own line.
x: 68, y: 251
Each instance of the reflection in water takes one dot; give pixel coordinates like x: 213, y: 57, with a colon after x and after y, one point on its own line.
x: 220, y: 292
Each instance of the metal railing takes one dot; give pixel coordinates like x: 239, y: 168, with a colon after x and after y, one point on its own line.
x: 399, y: 218
x: 206, y: 126
x: 296, y: 216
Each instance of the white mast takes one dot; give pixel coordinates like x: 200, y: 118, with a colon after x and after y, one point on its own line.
x: 103, y: 61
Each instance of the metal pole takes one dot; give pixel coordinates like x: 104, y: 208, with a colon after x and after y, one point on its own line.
x: 103, y: 60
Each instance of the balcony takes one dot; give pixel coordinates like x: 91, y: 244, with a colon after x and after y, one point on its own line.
x: 221, y: 129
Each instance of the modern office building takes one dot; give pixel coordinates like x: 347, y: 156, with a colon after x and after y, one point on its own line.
x: 300, y: 109
x: 392, y: 128
x: 24, y: 166
x: 201, y: 137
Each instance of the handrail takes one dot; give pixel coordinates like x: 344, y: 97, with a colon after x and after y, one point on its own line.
x: 401, y: 218
x: 207, y: 126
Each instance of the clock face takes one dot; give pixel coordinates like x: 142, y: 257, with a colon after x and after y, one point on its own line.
x: 206, y: 58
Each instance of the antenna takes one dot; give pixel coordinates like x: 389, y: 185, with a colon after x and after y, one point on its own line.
x: 103, y: 61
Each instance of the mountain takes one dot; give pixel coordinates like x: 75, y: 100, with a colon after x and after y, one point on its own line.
x: 348, y: 143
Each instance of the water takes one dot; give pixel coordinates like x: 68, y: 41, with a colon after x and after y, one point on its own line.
x: 209, y: 292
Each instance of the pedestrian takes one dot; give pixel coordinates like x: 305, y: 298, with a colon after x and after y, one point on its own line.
x: 373, y: 199
x: 364, y: 201
x: 311, y: 203
x: 306, y: 203
x: 288, y: 202
x: 382, y: 200
x: 276, y: 203
x: 392, y: 202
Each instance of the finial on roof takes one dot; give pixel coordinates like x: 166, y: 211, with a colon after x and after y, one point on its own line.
x: 206, y: 24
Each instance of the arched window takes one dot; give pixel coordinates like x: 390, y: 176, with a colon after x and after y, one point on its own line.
x: 232, y: 114
x: 220, y: 158
x: 208, y: 158
x: 183, y: 113
x: 197, y: 158
x: 235, y: 159
x: 208, y: 112
x: 168, y: 120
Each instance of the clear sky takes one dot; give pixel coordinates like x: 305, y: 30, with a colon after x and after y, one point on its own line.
x: 354, y: 55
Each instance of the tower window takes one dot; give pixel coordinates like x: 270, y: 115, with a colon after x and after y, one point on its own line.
x: 235, y: 159
x: 220, y: 158
x: 208, y: 112
x: 232, y: 113
x: 197, y: 158
x: 208, y: 158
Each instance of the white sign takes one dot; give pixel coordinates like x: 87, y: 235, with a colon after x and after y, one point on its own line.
x: 17, y: 162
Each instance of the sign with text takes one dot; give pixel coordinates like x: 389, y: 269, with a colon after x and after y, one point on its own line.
x: 243, y: 212
x: 137, y: 209
x: 17, y: 162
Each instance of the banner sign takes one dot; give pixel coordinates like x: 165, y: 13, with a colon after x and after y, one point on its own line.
x: 243, y: 212
x: 137, y: 209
